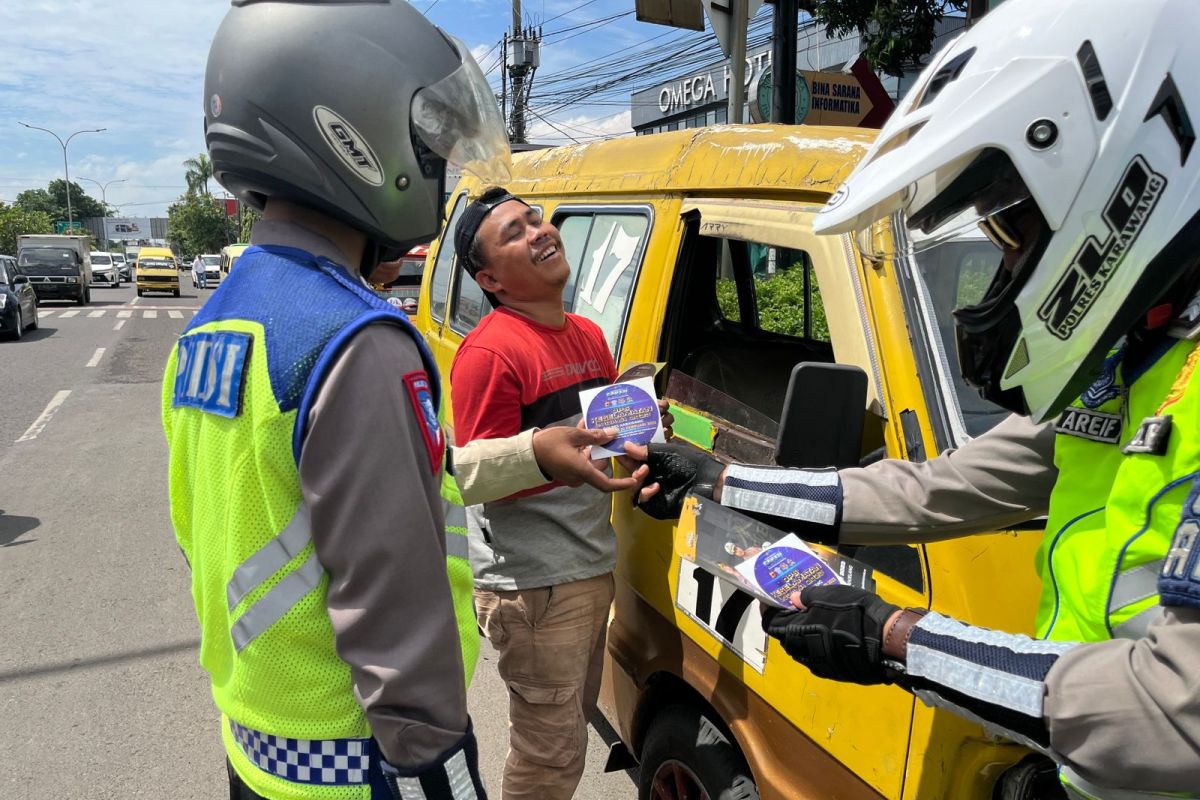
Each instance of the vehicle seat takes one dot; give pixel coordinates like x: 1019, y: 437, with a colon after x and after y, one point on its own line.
x: 756, y: 373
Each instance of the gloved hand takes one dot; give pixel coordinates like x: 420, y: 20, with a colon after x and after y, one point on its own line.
x: 838, y: 635
x: 678, y: 469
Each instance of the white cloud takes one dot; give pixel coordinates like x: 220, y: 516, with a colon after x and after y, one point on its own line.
x: 579, y: 127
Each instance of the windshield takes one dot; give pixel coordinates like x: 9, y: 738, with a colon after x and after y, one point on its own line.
x: 102, y: 260
x: 211, y: 261
x: 951, y: 275
x: 47, y: 257
x: 411, y: 269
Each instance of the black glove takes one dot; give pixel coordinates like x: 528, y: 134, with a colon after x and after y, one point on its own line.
x: 838, y: 635
x: 678, y: 469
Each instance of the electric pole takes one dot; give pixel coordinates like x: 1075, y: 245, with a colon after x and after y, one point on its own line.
x: 526, y: 46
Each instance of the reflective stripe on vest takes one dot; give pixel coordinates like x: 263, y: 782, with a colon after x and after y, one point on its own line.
x: 1079, y: 789
x: 277, y: 602
x: 325, y: 762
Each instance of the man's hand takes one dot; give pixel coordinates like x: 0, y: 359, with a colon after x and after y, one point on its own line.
x: 837, y: 632
x: 674, y: 470
x: 564, y: 454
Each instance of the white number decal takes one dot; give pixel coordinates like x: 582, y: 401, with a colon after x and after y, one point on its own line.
x: 724, y: 610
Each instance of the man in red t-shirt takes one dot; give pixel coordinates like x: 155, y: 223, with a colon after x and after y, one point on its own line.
x: 543, y: 558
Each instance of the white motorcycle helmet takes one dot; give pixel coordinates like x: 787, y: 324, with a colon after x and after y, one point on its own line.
x: 1064, y: 131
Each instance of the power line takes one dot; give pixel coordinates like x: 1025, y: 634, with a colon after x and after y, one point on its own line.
x: 568, y: 11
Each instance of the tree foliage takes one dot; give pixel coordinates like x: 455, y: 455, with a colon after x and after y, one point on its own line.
x: 249, y: 217
x: 896, y: 34
x: 52, y: 201
x: 196, y: 224
x: 199, y: 172
x: 16, y: 221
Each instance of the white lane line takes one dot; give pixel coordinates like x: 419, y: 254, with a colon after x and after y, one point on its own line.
x: 96, y: 356
x: 70, y: 313
x: 96, y: 314
x: 41, y: 422
x: 134, y: 301
x: 124, y: 314
x: 44, y: 312
x: 149, y: 315
x: 175, y: 314
x: 120, y: 324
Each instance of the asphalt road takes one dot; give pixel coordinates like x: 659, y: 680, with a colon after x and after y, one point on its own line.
x: 100, y: 693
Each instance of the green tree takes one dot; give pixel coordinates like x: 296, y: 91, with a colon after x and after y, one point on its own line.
x: 896, y: 34
x: 249, y: 217
x: 15, y: 221
x: 52, y: 201
x: 199, y: 171
x: 196, y: 224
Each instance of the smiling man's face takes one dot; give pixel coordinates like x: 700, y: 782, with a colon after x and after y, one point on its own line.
x: 522, y: 255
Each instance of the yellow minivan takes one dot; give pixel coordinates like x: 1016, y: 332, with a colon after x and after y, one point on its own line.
x: 229, y: 256
x: 156, y: 271
x: 695, y: 248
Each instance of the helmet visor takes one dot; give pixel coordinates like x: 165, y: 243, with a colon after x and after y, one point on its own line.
x: 458, y: 119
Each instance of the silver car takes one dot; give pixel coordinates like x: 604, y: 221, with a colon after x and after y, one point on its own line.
x: 105, y: 270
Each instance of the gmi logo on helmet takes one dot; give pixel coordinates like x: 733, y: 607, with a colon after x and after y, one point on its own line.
x: 349, y: 145
x: 1097, y: 261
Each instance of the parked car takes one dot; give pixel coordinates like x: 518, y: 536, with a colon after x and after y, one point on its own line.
x: 105, y: 270
x: 18, y: 301
x: 124, y: 266
x: 210, y: 265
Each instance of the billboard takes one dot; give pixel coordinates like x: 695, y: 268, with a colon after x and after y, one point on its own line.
x: 129, y: 229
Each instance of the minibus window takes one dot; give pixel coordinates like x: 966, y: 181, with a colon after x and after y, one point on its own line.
x: 439, y: 283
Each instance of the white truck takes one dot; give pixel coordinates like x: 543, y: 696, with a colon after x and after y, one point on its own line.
x: 59, y: 267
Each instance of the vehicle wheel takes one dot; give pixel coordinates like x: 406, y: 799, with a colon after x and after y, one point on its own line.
x: 687, y: 757
x: 177, y: 293
x: 19, y: 331
x: 139, y: 292
x: 33, y: 325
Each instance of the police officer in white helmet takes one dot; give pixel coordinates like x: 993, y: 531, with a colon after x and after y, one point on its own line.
x: 1065, y: 131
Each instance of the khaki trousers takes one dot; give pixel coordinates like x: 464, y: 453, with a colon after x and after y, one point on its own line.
x: 551, y: 646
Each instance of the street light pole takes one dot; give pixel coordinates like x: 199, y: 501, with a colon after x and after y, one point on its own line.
x: 103, y: 187
x: 66, y: 169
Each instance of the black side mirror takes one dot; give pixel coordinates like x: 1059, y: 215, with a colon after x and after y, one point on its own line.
x: 823, y: 416
x: 18, y: 279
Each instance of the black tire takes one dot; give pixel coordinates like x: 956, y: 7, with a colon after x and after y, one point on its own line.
x: 33, y: 326
x: 139, y: 292
x: 686, y: 753
x: 19, y: 331
x: 177, y: 293
x: 82, y: 299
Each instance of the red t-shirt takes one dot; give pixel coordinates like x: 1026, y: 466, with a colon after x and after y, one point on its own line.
x: 511, y: 374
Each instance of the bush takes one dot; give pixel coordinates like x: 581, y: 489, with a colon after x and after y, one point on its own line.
x: 780, y: 300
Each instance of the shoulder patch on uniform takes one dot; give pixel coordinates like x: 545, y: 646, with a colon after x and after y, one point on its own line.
x: 1095, y: 425
x: 210, y: 371
x: 1179, y: 580
x: 420, y: 393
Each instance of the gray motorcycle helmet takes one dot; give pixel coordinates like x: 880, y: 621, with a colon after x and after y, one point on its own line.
x: 349, y: 107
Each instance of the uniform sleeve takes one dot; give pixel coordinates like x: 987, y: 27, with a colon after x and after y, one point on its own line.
x: 1000, y: 478
x: 374, y: 499
x: 1127, y: 712
x: 996, y: 480
x: 489, y: 469
x: 486, y: 396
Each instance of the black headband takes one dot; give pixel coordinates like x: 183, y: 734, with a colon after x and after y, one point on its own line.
x: 468, y: 226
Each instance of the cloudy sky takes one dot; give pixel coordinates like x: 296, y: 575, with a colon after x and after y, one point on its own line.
x: 136, y: 67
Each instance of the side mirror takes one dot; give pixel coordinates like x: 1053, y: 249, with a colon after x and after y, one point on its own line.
x: 19, y: 279
x: 823, y: 416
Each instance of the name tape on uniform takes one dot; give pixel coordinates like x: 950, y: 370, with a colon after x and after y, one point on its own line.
x: 1094, y: 425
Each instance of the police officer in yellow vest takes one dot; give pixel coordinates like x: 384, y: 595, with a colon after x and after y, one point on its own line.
x: 301, y: 411
x: 1064, y: 131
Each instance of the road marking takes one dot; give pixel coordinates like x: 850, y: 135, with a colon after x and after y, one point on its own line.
x: 134, y: 301
x: 149, y: 315
x: 96, y: 314
x: 70, y: 313
x: 124, y: 314
x: 174, y: 315
x: 120, y: 324
x: 44, y: 312
x: 40, y: 423
x: 96, y: 356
